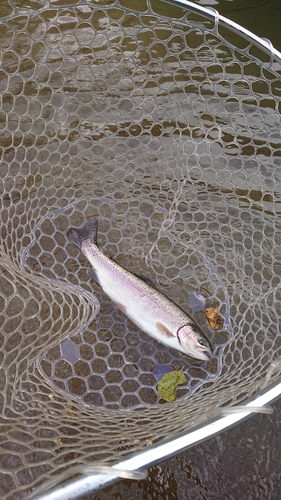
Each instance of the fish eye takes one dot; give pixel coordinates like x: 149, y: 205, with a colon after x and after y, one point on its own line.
x: 203, y: 342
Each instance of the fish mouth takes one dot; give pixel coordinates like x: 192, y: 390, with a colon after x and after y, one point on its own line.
x: 208, y: 354
x: 203, y: 356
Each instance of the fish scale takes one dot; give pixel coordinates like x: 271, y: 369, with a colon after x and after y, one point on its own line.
x: 148, y: 308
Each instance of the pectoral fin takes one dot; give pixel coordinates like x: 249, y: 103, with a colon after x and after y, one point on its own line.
x: 163, y: 330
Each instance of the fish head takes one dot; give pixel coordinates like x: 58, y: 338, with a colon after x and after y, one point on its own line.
x: 194, y: 342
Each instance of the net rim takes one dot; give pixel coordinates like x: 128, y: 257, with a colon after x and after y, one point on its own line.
x: 208, y: 12
x: 78, y: 487
x: 213, y: 14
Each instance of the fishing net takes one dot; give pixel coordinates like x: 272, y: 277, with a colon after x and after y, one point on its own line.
x: 163, y: 122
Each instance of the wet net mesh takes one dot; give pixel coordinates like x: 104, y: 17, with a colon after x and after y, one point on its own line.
x: 166, y: 126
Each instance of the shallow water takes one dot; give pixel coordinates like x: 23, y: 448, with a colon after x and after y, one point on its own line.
x: 243, y: 462
x: 206, y: 471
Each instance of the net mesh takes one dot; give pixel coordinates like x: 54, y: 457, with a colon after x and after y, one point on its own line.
x: 166, y: 126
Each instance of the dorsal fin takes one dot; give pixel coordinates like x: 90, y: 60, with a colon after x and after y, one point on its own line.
x: 146, y: 280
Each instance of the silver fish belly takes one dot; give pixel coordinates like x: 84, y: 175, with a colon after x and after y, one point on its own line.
x: 147, y: 308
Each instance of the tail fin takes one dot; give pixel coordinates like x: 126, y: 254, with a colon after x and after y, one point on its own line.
x: 86, y: 232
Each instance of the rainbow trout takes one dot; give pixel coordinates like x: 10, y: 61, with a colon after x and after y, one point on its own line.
x: 146, y: 307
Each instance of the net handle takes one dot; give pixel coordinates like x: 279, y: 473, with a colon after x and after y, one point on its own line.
x: 79, y: 488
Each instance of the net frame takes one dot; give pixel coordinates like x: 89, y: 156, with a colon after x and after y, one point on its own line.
x: 12, y: 272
